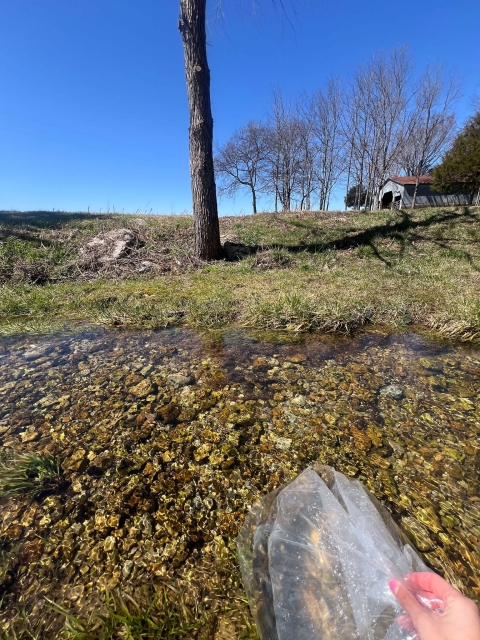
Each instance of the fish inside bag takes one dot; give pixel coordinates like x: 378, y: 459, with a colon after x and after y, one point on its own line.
x: 316, y: 556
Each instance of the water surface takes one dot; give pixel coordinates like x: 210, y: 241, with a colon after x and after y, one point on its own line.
x: 167, y: 438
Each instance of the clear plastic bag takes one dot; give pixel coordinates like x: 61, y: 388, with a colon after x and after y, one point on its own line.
x: 316, y: 557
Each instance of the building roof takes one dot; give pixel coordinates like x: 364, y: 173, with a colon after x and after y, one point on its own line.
x: 412, y: 179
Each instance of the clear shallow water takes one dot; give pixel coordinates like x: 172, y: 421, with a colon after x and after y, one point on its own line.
x: 166, y: 439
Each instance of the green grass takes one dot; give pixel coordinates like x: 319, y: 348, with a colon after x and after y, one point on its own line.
x: 149, y: 616
x: 325, y: 271
x: 27, y: 474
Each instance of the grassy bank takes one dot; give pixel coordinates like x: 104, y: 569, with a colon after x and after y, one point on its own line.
x: 309, y: 271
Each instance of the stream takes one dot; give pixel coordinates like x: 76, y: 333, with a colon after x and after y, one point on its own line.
x: 166, y: 439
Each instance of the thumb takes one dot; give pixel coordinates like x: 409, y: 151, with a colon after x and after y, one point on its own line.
x: 408, y: 601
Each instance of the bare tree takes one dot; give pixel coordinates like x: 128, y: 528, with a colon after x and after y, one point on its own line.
x: 308, y: 152
x: 242, y: 161
x: 348, y: 133
x: 432, y: 125
x: 390, y: 86
x: 382, y: 124
x: 285, y: 174
x: 376, y: 112
x: 358, y: 133
x: 205, y: 212
x: 327, y: 111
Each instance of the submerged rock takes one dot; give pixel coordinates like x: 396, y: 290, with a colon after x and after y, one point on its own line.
x: 181, y: 380
x: 142, y: 389
x: 260, y: 364
x: 77, y: 461
x: 297, y: 358
x: 127, y: 568
x: 37, y: 351
x: 283, y: 443
x: 391, y: 391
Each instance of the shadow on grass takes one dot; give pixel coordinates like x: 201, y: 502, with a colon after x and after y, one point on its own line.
x: 46, y: 219
x: 403, y: 232
x: 24, y: 225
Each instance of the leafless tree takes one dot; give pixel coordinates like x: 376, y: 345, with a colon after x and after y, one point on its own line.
x: 375, y: 115
x: 432, y: 124
x: 304, y: 148
x: 390, y: 79
x: 286, y: 154
x: 327, y: 111
x: 359, y: 132
x: 242, y: 161
x: 348, y: 134
x: 205, y: 212
x: 305, y: 117
x: 382, y: 123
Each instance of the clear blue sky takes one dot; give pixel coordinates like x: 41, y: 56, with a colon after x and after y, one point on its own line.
x: 94, y: 112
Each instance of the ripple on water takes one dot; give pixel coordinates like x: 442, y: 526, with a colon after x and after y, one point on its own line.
x: 166, y: 439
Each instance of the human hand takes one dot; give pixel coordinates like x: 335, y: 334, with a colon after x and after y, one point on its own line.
x: 459, y: 618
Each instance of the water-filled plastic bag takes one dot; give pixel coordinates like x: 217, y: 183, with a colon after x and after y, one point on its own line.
x: 316, y: 558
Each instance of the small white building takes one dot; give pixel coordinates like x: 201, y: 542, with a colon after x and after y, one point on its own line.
x: 397, y: 193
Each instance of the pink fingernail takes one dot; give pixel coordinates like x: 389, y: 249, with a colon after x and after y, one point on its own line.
x: 393, y: 584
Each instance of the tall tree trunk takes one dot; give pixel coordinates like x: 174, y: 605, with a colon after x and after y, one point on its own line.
x: 205, y: 212
x: 276, y: 183
x: 254, y: 199
x: 348, y: 187
x: 414, y: 199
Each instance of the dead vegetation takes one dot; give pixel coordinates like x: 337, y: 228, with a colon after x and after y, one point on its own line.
x: 40, y: 249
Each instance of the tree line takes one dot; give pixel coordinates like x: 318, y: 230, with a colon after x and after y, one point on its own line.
x: 383, y: 121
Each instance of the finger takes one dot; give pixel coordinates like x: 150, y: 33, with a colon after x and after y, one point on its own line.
x: 405, y: 622
x: 429, y: 581
x: 408, y: 602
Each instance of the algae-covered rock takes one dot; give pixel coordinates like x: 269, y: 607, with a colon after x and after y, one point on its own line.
x: 297, y: 357
x: 142, y: 389
x: 77, y: 461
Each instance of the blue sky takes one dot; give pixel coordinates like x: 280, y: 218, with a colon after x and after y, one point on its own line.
x: 94, y: 111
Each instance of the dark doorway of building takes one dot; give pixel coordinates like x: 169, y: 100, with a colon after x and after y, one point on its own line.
x: 387, y: 200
